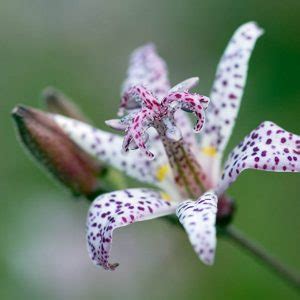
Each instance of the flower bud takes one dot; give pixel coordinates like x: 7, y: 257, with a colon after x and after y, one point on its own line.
x: 53, y: 149
x: 226, y: 210
x: 58, y: 103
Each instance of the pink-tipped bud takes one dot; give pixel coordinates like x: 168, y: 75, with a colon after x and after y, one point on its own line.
x: 53, y: 149
x: 58, y: 103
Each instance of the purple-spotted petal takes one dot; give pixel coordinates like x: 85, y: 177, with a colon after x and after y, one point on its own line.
x: 198, y: 219
x: 228, y: 87
x: 107, y: 148
x: 118, y: 209
x: 268, y: 147
x: 148, y: 69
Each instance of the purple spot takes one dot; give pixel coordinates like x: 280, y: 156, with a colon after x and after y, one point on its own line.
x: 269, y: 141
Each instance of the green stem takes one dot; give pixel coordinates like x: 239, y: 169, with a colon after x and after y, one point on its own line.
x: 263, y: 256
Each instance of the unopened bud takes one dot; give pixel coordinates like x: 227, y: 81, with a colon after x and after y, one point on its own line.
x: 58, y: 103
x: 226, y: 210
x: 53, y: 149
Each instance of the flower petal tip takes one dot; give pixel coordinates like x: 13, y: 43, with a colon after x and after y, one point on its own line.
x: 19, y: 111
x: 111, y: 267
x: 209, y: 261
x: 253, y: 28
x: 115, y: 124
x: 114, y: 266
x: 185, y: 85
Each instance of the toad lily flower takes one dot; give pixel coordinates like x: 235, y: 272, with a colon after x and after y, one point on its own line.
x: 170, y: 157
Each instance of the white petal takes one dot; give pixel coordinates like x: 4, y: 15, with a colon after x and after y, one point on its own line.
x: 118, y: 209
x: 147, y: 68
x: 107, y: 147
x: 198, y: 219
x: 268, y: 147
x: 227, y: 90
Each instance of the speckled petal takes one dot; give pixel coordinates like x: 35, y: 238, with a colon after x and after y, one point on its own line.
x: 107, y: 148
x: 118, y: 209
x: 147, y: 68
x: 228, y: 87
x: 268, y: 147
x: 198, y: 219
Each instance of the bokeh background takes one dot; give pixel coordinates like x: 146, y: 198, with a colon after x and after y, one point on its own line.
x: 82, y: 47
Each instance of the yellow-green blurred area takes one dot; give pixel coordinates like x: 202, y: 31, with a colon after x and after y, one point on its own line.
x: 82, y: 48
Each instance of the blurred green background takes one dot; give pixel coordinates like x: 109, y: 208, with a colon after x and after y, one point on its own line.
x: 82, y: 47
